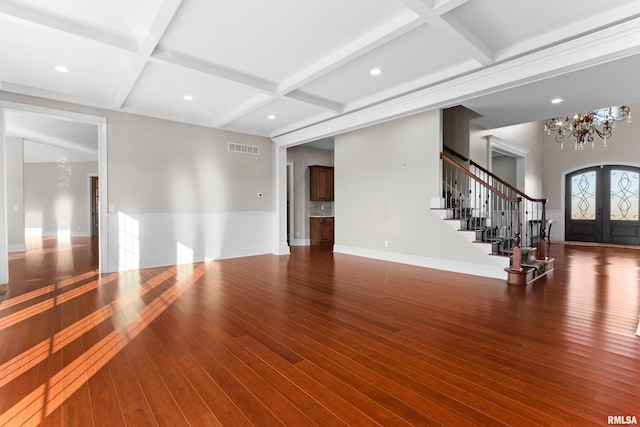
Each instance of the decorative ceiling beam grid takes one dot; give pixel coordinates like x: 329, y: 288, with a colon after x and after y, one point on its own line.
x: 391, y: 30
x: 612, y: 43
x: 381, y: 35
x: 143, y: 49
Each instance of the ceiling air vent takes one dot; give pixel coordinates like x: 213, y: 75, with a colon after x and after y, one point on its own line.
x: 242, y: 148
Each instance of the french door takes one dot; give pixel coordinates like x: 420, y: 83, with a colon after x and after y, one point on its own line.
x: 602, y: 205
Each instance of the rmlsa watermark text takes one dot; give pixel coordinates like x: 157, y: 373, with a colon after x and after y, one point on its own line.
x: 622, y: 419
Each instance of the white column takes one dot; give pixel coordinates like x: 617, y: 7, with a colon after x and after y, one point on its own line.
x: 4, y: 244
x: 280, y: 226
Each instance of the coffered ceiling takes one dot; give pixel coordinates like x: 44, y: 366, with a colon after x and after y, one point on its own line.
x: 286, y: 66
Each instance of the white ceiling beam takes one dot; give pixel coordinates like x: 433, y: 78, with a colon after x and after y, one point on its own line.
x: 318, y: 101
x: 567, y: 31
x: 31, y: 16
x: 301, y: 124
x: 50, y: 94
x: 163, y: 55
x: 421, y: 83
x: 383, y: 34
x: 242, y: 109
x: 451, y: 28
x: 146, y: 47
x: 444, y: 6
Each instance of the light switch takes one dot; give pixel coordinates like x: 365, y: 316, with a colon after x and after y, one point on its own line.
x: 112, y: 208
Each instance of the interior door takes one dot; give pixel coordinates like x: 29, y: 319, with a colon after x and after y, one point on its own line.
x: 95, y: 206
x: 602, y: 205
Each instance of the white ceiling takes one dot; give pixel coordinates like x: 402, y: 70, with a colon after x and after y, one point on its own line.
x: 308, y: 62
x: 53, y: 139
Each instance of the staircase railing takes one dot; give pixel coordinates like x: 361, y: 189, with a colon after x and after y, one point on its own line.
x: 495, y: 210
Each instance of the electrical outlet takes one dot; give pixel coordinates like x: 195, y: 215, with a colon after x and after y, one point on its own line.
x: 386, y: 243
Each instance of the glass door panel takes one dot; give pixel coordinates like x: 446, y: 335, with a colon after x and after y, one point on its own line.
x: 583, y: 196
x: 602, y: 204
x: 624, y: 195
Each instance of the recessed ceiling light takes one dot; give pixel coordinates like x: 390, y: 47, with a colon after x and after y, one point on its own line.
x: 375, y: 71
x: 188, y: 98
x: 61, y: 69
x: 271, y: 117
x: 556, y: 100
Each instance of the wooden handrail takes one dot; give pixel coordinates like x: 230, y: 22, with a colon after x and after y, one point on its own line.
x: 542, y: 244
x: 478, y: 180
x: 506, y: 184
x: 466, y: 159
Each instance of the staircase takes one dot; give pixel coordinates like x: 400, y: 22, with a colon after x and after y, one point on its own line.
x: 496, y: 217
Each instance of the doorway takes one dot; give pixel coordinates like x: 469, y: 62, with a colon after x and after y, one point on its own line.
x: 99, y: 124
x: 507, y: 157
x: 602, y: 205
x: 290, y: 203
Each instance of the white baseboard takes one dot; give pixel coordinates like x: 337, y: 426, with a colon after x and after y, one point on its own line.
x: 301, y: 242
x: 17, y: 248
x: 72, y: 234
x: 495, y: 272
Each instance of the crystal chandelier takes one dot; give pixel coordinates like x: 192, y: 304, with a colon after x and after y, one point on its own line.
x: 584, y: 126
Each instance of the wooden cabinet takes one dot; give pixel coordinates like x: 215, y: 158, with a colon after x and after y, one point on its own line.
x: 321, y: 231
x: 321, y: 180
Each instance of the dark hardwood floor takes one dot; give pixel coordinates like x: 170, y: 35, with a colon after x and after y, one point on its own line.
x: 316, y: 338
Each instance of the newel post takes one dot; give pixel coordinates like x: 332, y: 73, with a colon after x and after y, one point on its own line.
x: 543, y: 244
x: 517, y: 254
x: 515, y: 274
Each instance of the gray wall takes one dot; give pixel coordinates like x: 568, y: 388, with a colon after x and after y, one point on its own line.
x: 181, y: 188
x: 15, y: 194
x: 527, y: 136
x: 385, y: 178
x: 56, y: 197
x: 168, y: 167
x: 456, y: 124
x: 504, y: 167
